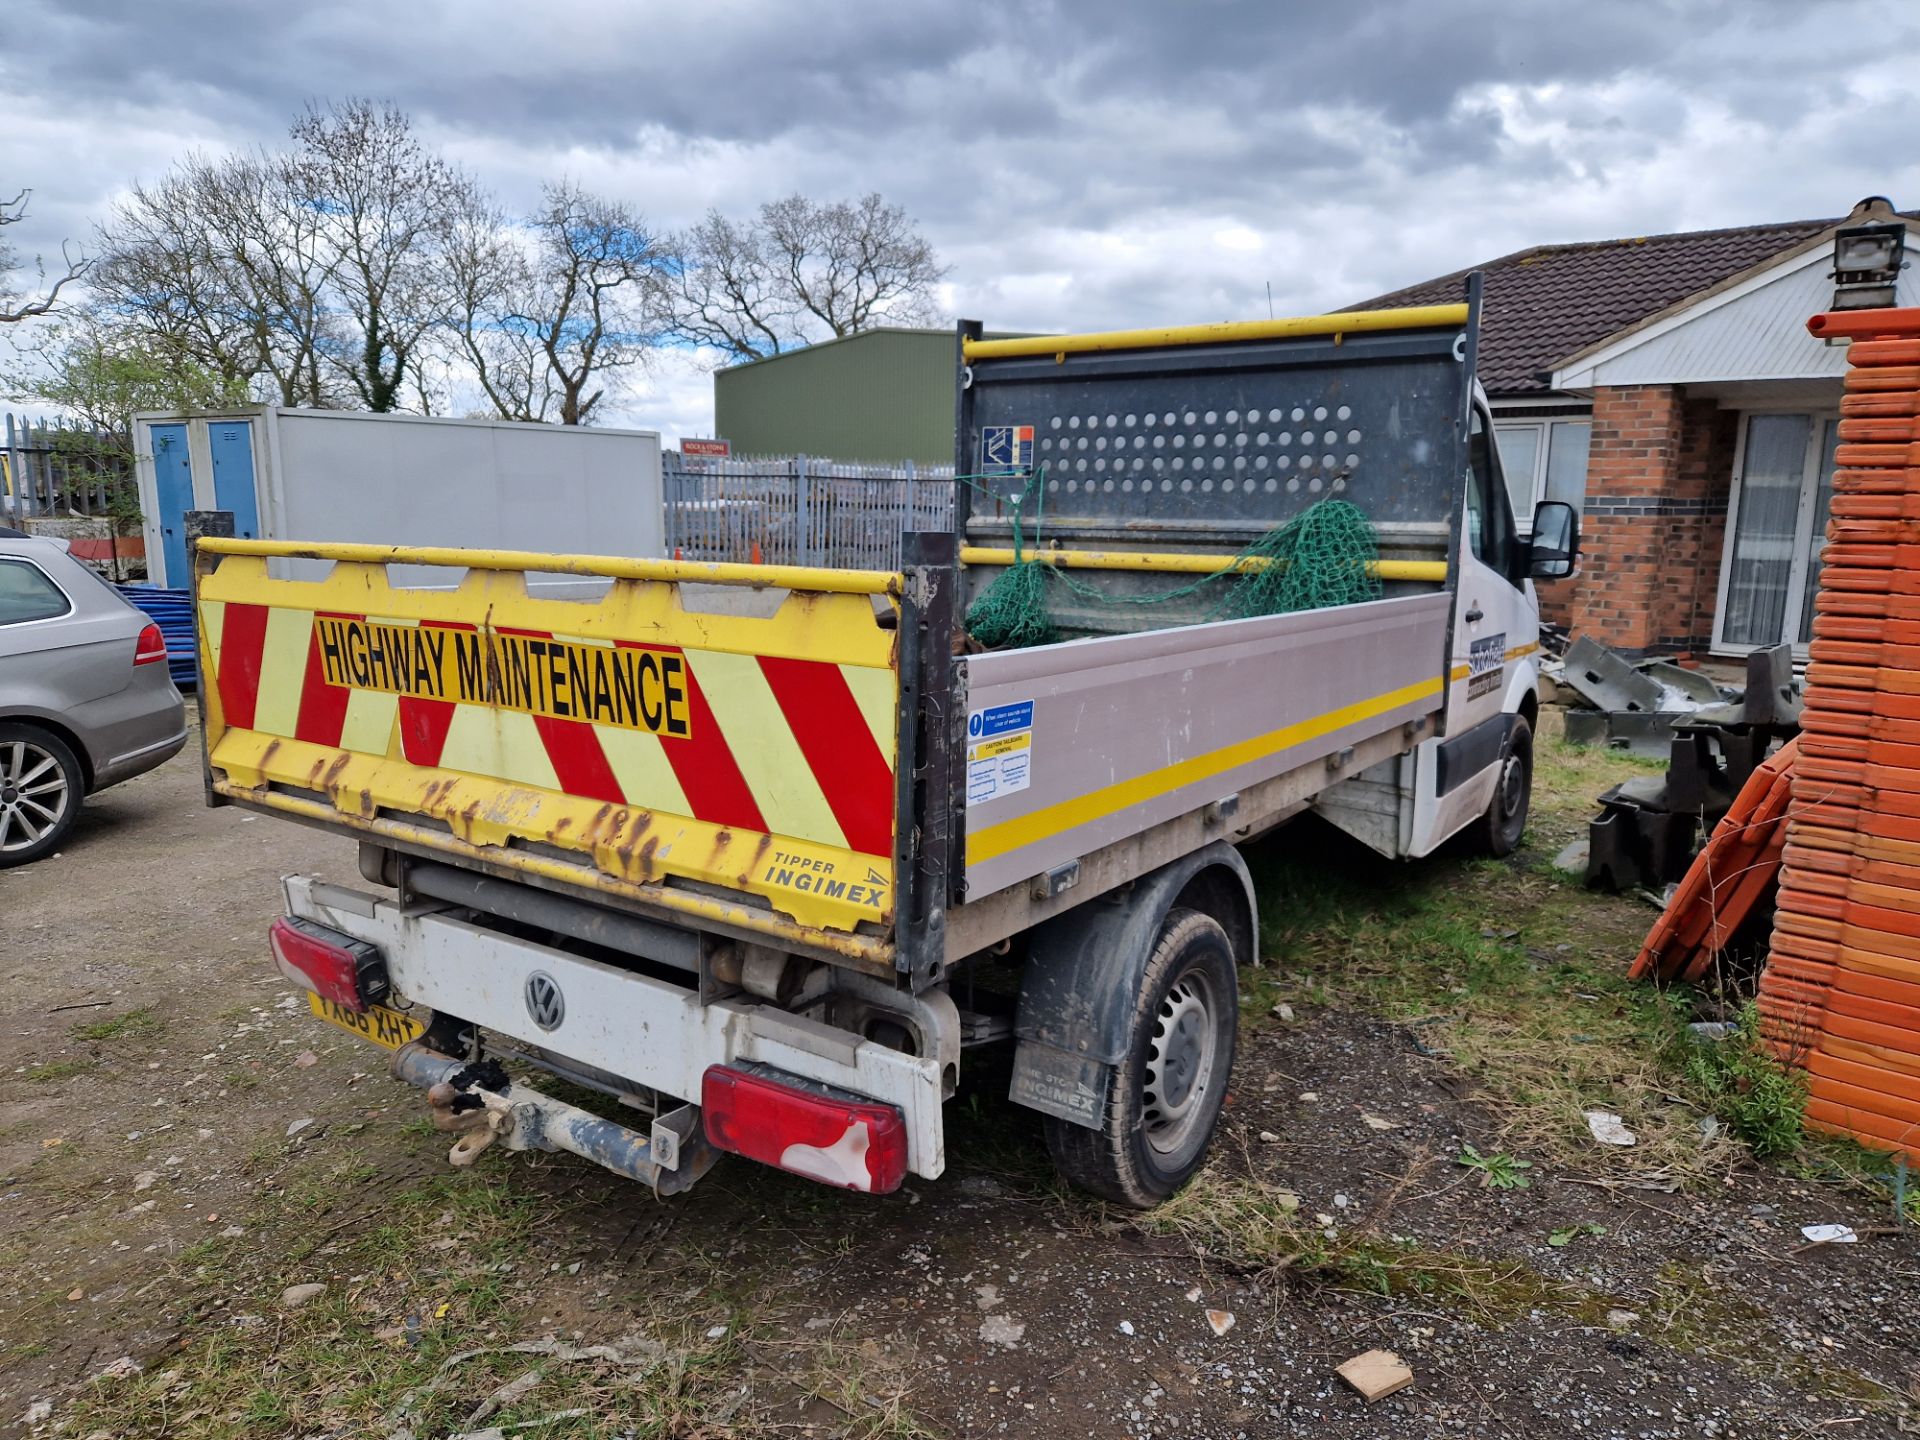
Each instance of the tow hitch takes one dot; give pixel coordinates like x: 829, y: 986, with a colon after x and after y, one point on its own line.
x: 482, y: 1105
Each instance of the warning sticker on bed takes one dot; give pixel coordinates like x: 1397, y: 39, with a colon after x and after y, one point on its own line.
x: 999, y: 751
x: 1006, y: 449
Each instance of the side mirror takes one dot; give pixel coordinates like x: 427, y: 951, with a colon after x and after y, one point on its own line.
x: 1556, y: 540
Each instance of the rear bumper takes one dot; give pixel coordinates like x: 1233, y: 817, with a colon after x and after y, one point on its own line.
x: 652, y: 1032
x: 139, y: 761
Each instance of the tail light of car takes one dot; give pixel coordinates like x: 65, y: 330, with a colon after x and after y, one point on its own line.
x: 151, y: 647
x: 854, y: 1144
x: 336, y: 967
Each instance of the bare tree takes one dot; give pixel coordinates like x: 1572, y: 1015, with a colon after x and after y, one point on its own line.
x: 550, y: 319
x: 384, y: 202
x: 226, y: 262
x: 797, y: 273
x: 14, y: 304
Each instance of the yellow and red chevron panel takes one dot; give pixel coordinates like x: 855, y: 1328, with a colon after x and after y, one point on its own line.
x: 722, y: 745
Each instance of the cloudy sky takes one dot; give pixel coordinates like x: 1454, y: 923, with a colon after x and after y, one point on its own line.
x: 1077, y: 165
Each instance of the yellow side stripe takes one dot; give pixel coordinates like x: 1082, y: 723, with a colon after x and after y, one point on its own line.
x: 283, y: 670
x: 995, y: 840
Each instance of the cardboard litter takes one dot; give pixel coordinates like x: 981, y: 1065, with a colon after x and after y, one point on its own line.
x: 1376, y: 1374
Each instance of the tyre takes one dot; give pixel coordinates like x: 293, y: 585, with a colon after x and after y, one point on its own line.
x: 1505, y: 822
x: 1164, y: 1103
x: 41, y: 785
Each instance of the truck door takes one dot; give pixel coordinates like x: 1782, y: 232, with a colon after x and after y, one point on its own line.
x: 1494, y: 624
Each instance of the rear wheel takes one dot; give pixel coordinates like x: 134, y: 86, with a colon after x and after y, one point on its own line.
x: 41, y: 785
x: 1505, y: 822
x: 1164, y: 1103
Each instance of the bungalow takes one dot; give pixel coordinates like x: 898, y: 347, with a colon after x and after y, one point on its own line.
x: 1666, y: 385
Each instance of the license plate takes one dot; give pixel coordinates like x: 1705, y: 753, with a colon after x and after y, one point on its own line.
x: 377, y: 1023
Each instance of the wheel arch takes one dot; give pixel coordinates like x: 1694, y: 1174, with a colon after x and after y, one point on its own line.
x: 1084, y: 970
x: 59, y: 732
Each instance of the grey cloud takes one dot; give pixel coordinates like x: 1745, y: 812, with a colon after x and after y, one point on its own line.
x: 1072, y: 161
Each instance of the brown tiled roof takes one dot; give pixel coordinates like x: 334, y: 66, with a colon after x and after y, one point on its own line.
x: 1545, y: 303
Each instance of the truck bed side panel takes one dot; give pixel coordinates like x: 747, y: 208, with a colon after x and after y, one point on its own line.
x: 650, y: 744
x: 1128, y: 731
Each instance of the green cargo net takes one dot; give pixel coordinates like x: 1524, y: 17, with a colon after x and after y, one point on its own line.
x: 1326, y: 555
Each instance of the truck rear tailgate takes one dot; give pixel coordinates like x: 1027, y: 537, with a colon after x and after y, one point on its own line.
x: 736, y: 767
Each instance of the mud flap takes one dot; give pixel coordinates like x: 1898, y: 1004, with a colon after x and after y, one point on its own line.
x: 1055, y: 1083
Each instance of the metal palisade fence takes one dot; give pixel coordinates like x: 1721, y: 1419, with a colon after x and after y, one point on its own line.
x: 58, y: 467
x: 801, y: 510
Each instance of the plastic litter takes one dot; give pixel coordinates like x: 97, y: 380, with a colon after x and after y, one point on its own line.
x: 1609, y: 1129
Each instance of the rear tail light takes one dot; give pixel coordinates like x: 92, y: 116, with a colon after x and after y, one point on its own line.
x: 151, y: 647
x: 334, y: 966
x: 854, y: 1144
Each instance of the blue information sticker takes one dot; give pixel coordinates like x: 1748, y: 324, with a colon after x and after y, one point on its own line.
x: 999, y: 719
x: 1006, y: 449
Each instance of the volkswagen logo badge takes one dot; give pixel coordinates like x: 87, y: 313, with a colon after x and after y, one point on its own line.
x: 545, y: 1003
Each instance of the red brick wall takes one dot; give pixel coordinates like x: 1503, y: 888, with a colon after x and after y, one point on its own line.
x: 1658, y: 477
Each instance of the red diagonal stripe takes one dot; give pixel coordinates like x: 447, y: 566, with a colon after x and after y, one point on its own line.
x: 703, y: 763
x: 323, y: 707
x: 578, y: 760
x: 424, y: 723
x: 243, y: 640
x: 840, y: 749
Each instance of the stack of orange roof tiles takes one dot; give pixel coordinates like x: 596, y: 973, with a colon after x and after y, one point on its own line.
x: 1840, y: 994
x: 1733, y: 873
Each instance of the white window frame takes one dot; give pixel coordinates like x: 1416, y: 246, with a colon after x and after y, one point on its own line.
x: 1802, y: 525
x: 1542, y: 452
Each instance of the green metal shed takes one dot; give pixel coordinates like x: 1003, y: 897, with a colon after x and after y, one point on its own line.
x: 883, y: 394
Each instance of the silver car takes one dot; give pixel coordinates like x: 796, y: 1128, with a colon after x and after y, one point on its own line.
x: 85, y: 698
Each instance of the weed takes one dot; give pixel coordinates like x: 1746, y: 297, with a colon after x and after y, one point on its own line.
x: 57, y: 1070
x: 1565, y: 1236
x: 1497, y: 1172
x: 119, y: 1027
x: 1762, y: 1100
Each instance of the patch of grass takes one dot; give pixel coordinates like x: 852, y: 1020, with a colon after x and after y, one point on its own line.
x: 1764, y: 1101
x: 1256, y: 1227
x: 56, y: 1070
x: 119, y: 1027
x: 1514, y: 976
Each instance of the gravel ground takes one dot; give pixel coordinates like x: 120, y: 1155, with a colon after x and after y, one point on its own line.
x: 171, y: 1154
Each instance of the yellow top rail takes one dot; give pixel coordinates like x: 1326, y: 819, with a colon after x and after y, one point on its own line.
x: 1353, y: 322
x: 610, y: 567
x: 1177, y: 564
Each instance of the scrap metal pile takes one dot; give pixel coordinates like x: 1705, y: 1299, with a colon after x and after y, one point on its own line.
x: 1714, y: 741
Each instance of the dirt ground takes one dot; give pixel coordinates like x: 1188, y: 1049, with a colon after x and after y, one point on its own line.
x: 178, y: 1152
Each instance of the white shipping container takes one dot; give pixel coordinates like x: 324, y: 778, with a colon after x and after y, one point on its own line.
x: 320, y: 475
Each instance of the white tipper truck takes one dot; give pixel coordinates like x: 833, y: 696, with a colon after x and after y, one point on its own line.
x: 759, y: 853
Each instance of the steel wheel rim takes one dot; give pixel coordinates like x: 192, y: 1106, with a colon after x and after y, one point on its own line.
x: 34, y: 795
x: 1181, y: 1059
x: 1513, y: 786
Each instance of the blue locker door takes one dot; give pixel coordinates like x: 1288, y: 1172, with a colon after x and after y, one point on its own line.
x: 173, y: 491
x: 232, y: 443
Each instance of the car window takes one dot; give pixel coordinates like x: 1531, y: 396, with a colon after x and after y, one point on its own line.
x: 1490, y: 528
x: 27, y: 593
